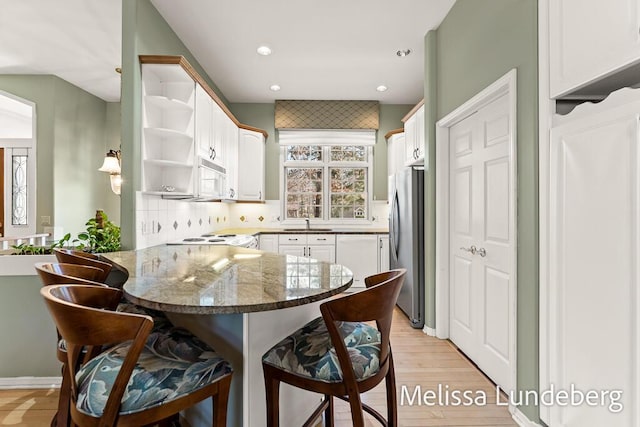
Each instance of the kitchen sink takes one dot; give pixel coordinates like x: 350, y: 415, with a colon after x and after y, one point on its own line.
x: 307, y: 230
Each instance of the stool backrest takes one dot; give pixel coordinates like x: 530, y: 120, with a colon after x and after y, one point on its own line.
x: 70, y: 256
x: 80, y: 316
x: 376, y: 303
x: 59, y: 273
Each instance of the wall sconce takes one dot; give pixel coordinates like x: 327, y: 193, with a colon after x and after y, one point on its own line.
x: 111, y: 165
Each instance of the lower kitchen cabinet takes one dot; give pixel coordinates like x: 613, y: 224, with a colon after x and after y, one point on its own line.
x: 318, y: 246
x: 359, y: 253
x: 269, y: 243
x: 383, y: 252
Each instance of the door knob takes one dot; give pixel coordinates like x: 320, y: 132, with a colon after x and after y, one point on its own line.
x: 482, y: 252
x: 471, y: 249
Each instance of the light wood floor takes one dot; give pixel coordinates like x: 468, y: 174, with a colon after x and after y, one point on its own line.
x: 420, y: 361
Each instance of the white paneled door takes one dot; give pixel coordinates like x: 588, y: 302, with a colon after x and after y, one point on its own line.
x: 481, y: 238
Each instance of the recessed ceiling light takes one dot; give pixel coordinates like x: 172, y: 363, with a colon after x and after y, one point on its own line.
x: 403, y: 52
x: 381, y: 88
x: 274, y: 88
x: 264, y: 50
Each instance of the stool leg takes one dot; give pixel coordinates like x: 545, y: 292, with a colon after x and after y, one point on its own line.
x: 272, y: 393
x: 357, y: 416
x: 392, y: 407
x: 328, y: 413
x: 62, y: 418
x: 220, y: 401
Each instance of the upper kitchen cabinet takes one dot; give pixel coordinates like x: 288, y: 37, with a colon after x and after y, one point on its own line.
x: 395, y: 151
x: 251, y: 165
x: 190, y: 139
x: 590, y: 40
x: 168, y: 130
x: 230, y: 143
x: 210, y: 127
x: 414, y: 134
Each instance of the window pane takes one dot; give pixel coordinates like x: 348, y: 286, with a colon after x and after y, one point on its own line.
x: 307, y: 153
x: 19, y: 190
x: 348, y: 192
x: 348, y: 153
x: 304, y: 192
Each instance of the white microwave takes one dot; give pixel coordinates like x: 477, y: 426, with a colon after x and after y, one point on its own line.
x: 211, y: 180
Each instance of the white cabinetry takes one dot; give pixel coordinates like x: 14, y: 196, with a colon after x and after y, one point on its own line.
x: 269, y: 243
x: 395, y: 152
x: 359, y: 253
x: 318, y: 246
x: 593, y: 256
x: 204, y: 123
x: 251, y: 165
x: 168, y: 130
x: 414, y: 134
x: 589, y: 39
x: 231, y: 157
x: 383, y: 252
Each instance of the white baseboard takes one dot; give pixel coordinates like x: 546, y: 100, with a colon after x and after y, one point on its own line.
x: 522, y: 420
x: 30, y: 382
x: 429, y: 331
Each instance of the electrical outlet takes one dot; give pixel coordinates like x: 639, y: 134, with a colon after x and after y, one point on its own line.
x: 45, y: 220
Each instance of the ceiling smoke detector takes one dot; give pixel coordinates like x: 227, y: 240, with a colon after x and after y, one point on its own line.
x: 274, y: 88
x: 381, y: 88
x: 402, y: 53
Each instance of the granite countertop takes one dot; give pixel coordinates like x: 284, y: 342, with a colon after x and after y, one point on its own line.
x: 225, y: 279
x: 298, y: 230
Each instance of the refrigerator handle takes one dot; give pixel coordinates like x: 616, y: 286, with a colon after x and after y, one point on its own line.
x: 393, y: 232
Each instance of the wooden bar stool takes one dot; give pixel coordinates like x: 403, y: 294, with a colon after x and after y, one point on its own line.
x: 65, y: 273
x: 143, y: 377
x: 307, y: 358
x: 52, y: 274
x: 115, y: 276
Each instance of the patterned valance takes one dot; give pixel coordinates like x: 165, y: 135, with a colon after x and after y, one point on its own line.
x: 327, y: 114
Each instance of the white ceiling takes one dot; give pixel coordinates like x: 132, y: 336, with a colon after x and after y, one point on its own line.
x: 76, y: 40
x: 335, y: 49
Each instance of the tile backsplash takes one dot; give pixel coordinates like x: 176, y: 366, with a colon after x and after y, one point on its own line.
x: 160, y: 220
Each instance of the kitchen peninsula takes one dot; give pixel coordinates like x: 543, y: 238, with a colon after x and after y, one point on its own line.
x: 241, y: 301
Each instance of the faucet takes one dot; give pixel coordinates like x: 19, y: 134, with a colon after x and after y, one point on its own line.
x: 308, y: 224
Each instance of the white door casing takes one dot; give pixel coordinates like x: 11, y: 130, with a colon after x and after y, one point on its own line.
x: 475, y: 206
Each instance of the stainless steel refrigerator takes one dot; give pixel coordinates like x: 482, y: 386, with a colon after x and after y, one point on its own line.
x: 406, y: 239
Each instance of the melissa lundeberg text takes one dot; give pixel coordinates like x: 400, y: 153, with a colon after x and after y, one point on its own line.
x: 443, y: 395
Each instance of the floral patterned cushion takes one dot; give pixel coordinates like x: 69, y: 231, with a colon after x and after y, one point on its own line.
x: 172, y: 364
x: 160, y: 320
x: 308, y: 352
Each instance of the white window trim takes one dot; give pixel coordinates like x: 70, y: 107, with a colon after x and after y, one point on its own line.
x: 326, y: 139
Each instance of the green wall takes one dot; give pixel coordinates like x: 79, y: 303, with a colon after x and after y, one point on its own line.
x: 27, y: 330
x: 262, y: 116
x: 70, y: 131
x: 144, y: 32
x: 477, y: 43
x: 80, y: 134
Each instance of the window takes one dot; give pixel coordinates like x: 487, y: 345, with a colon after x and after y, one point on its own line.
x: 17, y: 166
x: 327, y: 174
